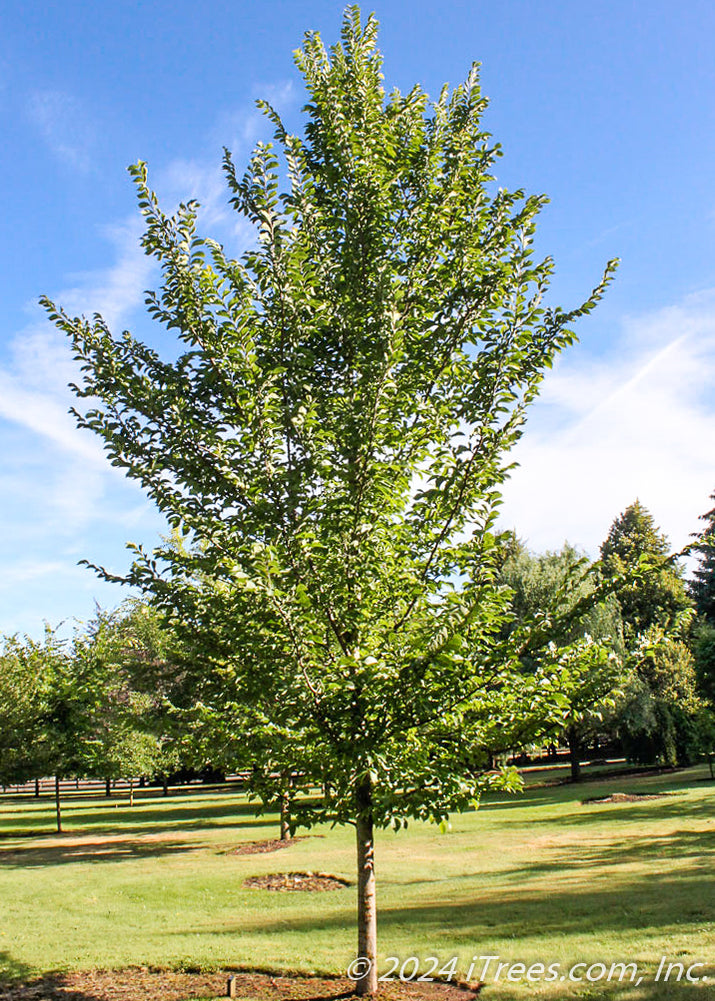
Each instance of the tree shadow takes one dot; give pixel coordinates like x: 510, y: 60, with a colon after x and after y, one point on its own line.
x: 51, y: 987
x: 650, y: 991
x: 675, y: 845
x: 668, y: 807
x: 152, y: 811
x: 94, y: 852
x: 585, y: 814
x: 465, y: 915
x: 64, y: 987
x: 123, y: 819
x: 12, y: 969
x: 667, y: 783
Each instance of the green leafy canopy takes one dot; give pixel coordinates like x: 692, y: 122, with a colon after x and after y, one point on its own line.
x: 333, y: 436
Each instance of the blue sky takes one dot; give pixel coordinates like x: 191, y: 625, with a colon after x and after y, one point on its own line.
x: 608, y: 107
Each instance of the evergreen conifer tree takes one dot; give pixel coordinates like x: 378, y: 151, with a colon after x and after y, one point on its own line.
x: 702, y: 586
x: 652, y: 599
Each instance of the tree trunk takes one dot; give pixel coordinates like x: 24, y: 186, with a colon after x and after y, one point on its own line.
x: 37, y: 788
x: 285, y: 806
x: 366, y: 904
x: 58, y: 808
x: 107, y: 787
x: 131, y: 792
x: 285, y: 817
x: 575, y: 753
x: 165, y: 785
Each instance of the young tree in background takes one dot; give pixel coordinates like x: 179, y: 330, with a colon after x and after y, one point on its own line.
x: 71, y: 695
x: 25, y: 671
x: 121, y: 657
x: 334, y: 435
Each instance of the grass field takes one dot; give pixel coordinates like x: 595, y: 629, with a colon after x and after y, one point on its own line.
x: 535, y: 878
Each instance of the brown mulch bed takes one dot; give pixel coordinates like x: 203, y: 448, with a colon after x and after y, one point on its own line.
x: 287, y: 882
x: 625, y: 797
x: 259, y: 847
x: 146, y: 985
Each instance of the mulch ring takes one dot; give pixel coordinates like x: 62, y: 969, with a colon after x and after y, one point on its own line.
x: 259, y: 847
x: 146, y: 985
x: 288, y: 882
x: 625, y: 797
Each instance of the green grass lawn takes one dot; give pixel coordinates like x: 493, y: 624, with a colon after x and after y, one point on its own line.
x: 535, y: 878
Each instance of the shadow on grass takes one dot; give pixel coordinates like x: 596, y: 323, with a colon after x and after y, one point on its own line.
x: 141, y: 819
x: 466, y: 916
x: 669, y: 806
x: 566, y: 859
x: 183, y: 814
x: 105, y: 851
x: 12, y: 969
x: 656, y: 849
x: 649, y: 991
x: 575, y: 795
x: 17, y: 986
x: 47, y: 988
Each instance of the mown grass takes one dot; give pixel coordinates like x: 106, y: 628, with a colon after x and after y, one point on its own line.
x: 536, y: 878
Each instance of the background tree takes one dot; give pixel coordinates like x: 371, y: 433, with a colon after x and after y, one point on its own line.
x: 25, y: 672
x: 218, y: 715
x: 701, y: 588
x: 127, y: 723
x: 661, y: 708
x: 702, y: 585
x: 578, y: 631
x: 653, y: 599
x: 333, y: 437
x: 66, y: 721
x: 224, y: 730
x: 92, y: 706
x: 703, y: 644
x: 662, y: 716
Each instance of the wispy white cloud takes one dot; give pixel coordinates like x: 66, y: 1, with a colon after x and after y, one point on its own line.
x: 58, y: 489
x: 639, y: 423
x: 118, y: 290
x: 46, y: 415
x: 59, y: 497
x: 27, y: 570
x: 34, y: 381
x: 202, y: 178
x: 182, y: 180
x: 64, y: 125
x: 240, y: 129
x: 32, y: 592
